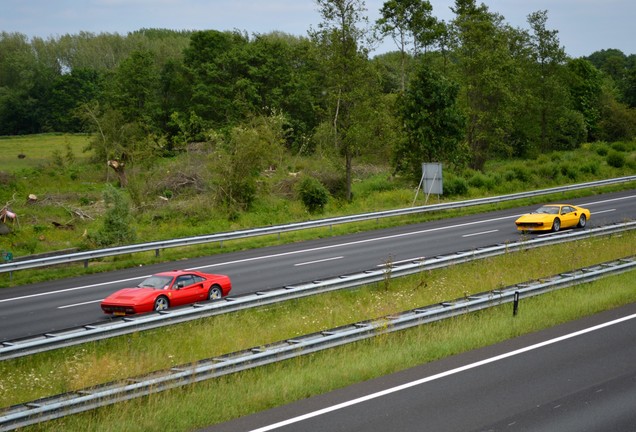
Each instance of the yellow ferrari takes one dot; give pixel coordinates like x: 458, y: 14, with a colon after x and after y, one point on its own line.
x: 553, y: 217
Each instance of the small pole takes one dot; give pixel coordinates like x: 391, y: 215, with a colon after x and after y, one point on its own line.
x: 515, y: 304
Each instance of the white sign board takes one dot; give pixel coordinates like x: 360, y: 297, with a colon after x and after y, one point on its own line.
x: 432, y: 178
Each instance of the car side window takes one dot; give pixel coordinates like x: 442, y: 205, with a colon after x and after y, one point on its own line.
x: 567, y: 209
x: 184, y: 281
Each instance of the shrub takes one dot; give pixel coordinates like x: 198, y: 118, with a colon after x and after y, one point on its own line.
x: 117, y: 223
x: 313, y: 194
x: 478, y: 180
x: 592, y: 167
x: 601, y: 149
x: 569, y: 171
x: 615, y: 159
x: 455, y: 186
x: 619, y: 146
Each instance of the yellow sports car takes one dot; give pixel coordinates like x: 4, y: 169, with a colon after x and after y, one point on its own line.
x: 553, y: 217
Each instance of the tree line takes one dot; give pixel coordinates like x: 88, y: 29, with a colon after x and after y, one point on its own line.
x: 460, y: 92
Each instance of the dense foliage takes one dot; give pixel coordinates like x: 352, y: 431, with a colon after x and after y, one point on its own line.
x: 519, y: 92
x: 233, y: 106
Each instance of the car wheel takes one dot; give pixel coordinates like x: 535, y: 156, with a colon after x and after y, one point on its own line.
x: 582, y: 221
x: 556, y: 224
x: 161, y: 303
x: 215, y: 293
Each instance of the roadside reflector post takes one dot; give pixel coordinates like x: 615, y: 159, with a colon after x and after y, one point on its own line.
x: 515, y: 304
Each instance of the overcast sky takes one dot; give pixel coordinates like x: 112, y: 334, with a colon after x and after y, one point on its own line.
x: 584, y: 26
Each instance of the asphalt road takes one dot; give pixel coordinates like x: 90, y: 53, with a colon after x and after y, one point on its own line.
x: 54, y: 305
x: 577, y: 377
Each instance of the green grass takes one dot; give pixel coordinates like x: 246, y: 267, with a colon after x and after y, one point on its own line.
x: 83, y: 366
x: 38, y: 151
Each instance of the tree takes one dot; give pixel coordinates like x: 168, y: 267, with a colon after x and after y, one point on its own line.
x: 585, y: 86
x: 217, y: 64
x: 433, y: 122
x: 486, y: 71
x: 67, y: 94
x: 135, y: 88
x: 548, y: 56
x: 242, y: 155
x: 341, y: 38
x: 409, y: 23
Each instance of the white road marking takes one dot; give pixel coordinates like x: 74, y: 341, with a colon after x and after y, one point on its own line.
x: 479, y: 233
x: 318, y: 261
x: 604, y: 211
x: 79, y: 304
x: 298, y: 252
x: 71, y: 289
x: 438, y: 376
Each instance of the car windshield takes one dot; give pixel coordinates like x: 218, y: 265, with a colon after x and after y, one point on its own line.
x: 548, y: 210
x: 157, y: 282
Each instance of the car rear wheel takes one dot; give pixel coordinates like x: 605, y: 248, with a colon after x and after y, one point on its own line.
x: 215, y: 293
x: 556, y: 224
x: 161, y: 303
x: 582, y: 221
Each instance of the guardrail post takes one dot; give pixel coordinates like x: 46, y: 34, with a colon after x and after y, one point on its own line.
x: 85, y: 263
x: 515, y: 304
x: 156, y: 253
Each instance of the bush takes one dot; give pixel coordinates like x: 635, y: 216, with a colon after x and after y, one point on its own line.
x: 592, y: 167
x: 615, y: 159
x: 601, y: 149
x: 455, y: 186
x: 619, y: 146
x: 313, y: 194
x: 478, y: 180
x: 117, y: 223
x: 569, y: 171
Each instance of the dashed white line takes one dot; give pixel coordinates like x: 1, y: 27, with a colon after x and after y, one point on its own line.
x: 604, y: 211
x: 318, y: 261
x: 79, y: 304
x: 479, y: 233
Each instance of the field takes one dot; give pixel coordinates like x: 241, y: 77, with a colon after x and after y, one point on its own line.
x: 33, y: 151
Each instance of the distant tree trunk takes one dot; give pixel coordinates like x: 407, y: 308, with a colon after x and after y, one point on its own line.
x: 119, y: 168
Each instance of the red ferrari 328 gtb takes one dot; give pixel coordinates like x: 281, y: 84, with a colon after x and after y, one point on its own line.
x: 167, y: 289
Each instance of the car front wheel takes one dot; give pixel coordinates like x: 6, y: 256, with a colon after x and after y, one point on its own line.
x: 582, y: 221
x: 215, y: 293
x: 556, y: 225
x: 161, y: 303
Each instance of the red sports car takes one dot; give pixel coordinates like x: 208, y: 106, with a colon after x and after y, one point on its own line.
x: 163, y: 290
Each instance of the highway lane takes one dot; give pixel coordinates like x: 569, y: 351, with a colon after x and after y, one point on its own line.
x: 46, y: 307
x: 577, y: 377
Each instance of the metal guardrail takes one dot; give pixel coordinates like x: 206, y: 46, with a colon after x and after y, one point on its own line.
x: 93, y: 332
x: 234, y: 235
x: 83, y: 400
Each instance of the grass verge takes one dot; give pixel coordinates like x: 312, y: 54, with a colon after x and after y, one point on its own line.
x: 74, y: 368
